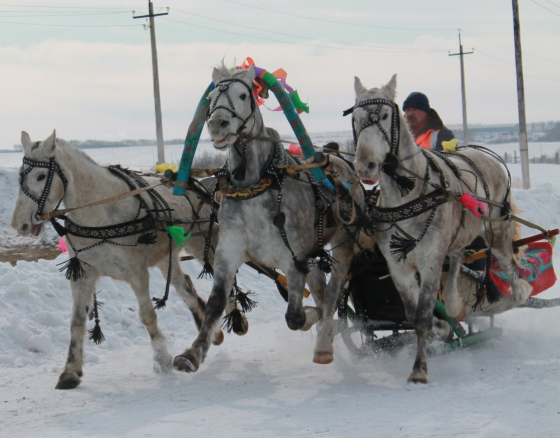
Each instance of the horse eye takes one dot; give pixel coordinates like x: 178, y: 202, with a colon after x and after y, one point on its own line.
x: 41, y: 177
x: 385, y: 116
x: 243, y: 96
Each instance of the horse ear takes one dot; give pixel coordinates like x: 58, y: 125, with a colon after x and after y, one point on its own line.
x: 220, y: 73
x: 26, y: 142
x: 391, y: 87
x: 358, y: 87
x: 247, y: 75
x: 49, y: 144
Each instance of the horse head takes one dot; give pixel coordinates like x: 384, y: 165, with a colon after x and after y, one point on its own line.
x: 233, y: 107
x: 375, y: 122
x: 42, y: 184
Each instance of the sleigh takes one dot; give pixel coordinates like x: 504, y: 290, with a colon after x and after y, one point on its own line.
x: 372, y: 314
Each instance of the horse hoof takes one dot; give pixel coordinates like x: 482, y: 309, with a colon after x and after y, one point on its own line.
x: 417, y: 377
x: 218, y: 337
x: 68, y: 380
x: 186, y: 362
x: 323, y: 357
x: 295, y: 321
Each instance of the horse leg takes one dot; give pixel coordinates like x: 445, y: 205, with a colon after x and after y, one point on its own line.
x: 148, y: 317
x: 227, y: 261
x: 424, y: 317
x: 230, y: 307
x: 502, y: 250
x: 454, y: 305
x: 296, y: 315
x: 82, y: 293
x: 343, y: 253
x: 186, y: 290
x: 317, y: 283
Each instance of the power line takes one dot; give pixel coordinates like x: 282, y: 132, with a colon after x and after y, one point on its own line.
x: 63, y: 7
x: 510, y: 71
x: 553, y: 4
x: 72, y: 25
x: 297, y: 36
x: 291, y: 42
x: 509, y: 49
x: 335, y: 22
x: 544, y: 7
x: 510, y: 63
x: 68, y: 14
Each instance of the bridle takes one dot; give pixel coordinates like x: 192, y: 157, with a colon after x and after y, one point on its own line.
x: 53, y: 168
x: 223, y: 88
x: 391, y: 162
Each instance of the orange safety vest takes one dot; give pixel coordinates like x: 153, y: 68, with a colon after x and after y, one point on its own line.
x: 428, y: 139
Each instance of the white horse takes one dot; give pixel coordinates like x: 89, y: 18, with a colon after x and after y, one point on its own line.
x: 261, y: 224
x: 76, y: 179
x: 426, y: 226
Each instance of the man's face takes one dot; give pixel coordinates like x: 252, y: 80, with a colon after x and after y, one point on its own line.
x: 416, y: 117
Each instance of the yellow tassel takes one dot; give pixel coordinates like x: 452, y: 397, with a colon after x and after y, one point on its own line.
x: 449, y: 146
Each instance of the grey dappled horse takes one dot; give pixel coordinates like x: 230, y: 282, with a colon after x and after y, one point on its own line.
x: 249, y: 228
x: 429, y: 237
x: 77, y: 180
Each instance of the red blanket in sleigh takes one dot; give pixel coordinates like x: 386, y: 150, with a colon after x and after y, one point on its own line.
x: 535, y: 267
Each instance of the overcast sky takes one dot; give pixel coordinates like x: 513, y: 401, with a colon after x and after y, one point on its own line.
x: 84, y: 67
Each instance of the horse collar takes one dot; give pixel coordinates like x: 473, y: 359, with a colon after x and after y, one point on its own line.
x: 268, y: 177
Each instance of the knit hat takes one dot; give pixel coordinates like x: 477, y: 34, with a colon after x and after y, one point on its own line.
x: 331, y: 146
x: 417, y: 100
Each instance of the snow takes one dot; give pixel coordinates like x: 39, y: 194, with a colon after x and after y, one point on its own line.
x: 263, y: 384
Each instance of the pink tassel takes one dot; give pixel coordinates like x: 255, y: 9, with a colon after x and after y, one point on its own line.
x: 473, y: 205
x: 62, y: 245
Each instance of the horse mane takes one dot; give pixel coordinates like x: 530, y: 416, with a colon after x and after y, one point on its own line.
x: 224, y: 70
x: 67, y: 146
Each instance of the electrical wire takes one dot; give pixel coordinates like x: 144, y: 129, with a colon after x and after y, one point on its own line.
x: 68, y: 14
x: 290, y: 42
x: 296, y: 36
x: 544, y: 7
x: 512, y: 64
x: 306, y: 17
x: 510, y: 49
x: 72, y: 25
x: 509, y: 71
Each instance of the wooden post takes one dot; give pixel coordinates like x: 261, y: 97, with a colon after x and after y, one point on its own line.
x: 523, y: 145
x: 463, y: 93
x: 157, y: 100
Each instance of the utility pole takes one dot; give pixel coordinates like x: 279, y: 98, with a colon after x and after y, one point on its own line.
x: 159, y: 128
x: 523, y: 145
x: 465, y: 125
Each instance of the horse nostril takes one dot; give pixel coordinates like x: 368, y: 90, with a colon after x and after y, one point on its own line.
x: 371, y: 166
x: 224, y: 124
x: 24, y: 227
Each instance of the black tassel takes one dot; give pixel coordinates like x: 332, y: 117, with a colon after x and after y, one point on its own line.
x: 73, y: 267
x: 160, y: 302
x: 60, y: 230
x: 493, y: 295
x: 147, y: 239
x: 95, y: 334
x: 233, y: 321
x: 401, y: 245
x: 325, y: 262
x: 301, y: 265
x: 239, y: 172
x: 246, y: 303
x: 404, y: 183
x: 207, y: 270
x: 93, y: 310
